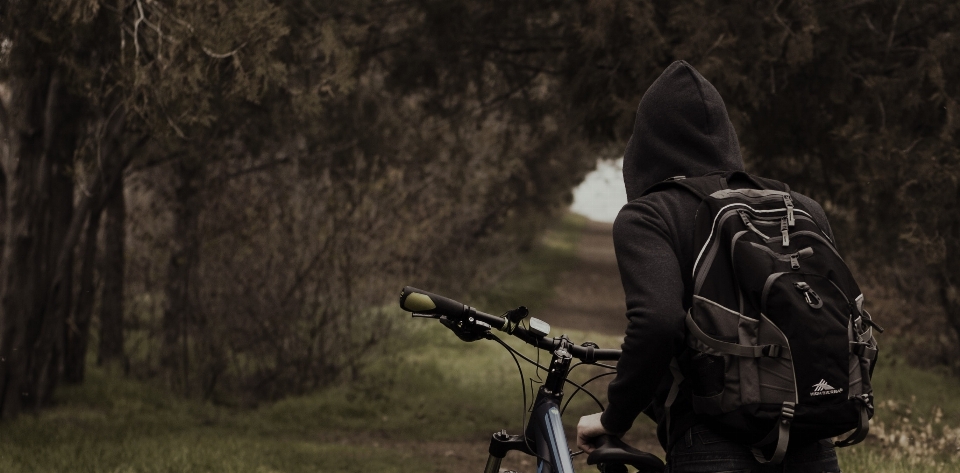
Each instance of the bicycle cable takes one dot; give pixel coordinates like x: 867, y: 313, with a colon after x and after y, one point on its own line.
x: 602, y: 365
x: 584, y: 384
x: 532, y: 381
x: 514, y: 353
x: 523, y: 416
x: 581, y: 388
x: 523, y: 387
x: 521, y: 355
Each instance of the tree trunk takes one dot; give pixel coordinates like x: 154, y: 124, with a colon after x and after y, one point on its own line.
x: 3, y: 205
x: 41, y: 138
x: 48, y: 351
x: 111, y: 306
x: 78, y: 326
x: 26, y: 170
x: 950, y: 301
x: 174, y: 358
x: 950, y: 268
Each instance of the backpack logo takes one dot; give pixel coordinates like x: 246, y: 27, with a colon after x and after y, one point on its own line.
x: 823, y: 389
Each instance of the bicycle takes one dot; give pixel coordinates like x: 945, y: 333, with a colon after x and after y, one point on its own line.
x: 543, y: 436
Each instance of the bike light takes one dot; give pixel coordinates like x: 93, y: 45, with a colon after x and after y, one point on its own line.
x: 539, y: 327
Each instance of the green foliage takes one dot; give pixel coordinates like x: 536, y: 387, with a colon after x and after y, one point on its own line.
x: 295, y: 162
x: 434, y: 388
x: 331, y: 152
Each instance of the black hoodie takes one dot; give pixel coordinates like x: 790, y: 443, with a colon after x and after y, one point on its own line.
x: 682, y: 129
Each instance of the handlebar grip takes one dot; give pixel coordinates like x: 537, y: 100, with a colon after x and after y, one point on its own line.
x: 423, y: 302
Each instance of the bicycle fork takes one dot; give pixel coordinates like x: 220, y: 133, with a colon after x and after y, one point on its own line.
x: 500, y: 444
x: 545, y: 429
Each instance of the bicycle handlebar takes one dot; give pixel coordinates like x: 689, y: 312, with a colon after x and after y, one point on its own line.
x: 423, y: 302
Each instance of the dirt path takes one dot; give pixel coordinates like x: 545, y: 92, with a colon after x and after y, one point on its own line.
x: 590, y: 297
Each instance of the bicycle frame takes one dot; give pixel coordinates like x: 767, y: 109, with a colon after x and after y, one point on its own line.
x: 544, y: 431
x: 543, y: 437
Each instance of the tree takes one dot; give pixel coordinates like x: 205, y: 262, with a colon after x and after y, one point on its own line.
x: 41, y: 125
x: 853, y: 104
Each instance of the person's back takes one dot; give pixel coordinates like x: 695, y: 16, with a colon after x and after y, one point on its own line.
x: 681, y: 129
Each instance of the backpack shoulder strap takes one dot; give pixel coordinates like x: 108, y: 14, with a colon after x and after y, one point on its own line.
x: 701, y: 186
x: 756, y: 181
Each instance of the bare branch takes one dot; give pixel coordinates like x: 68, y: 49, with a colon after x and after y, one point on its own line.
x: 893, y: 27
x: 182, y: 23
x: 714, y: 45
x: 853, y: 5
x: 4, y: 116
x: 260, y: 167
x: 776, y: 16
x: 136, y: 29
x: 174, y: 126
x: 222, y: 55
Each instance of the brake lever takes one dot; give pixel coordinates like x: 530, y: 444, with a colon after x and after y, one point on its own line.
x: 469, y: 330
x: 425, y: 316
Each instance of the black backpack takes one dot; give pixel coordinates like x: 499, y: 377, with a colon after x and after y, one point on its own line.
x: 780, y: 349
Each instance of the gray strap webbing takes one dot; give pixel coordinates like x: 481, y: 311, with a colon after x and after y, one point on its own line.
x: 782, y: 431
x: 726, y: 348
x: 861, y: 433
x: 864, y: 350
x: 674, y: 390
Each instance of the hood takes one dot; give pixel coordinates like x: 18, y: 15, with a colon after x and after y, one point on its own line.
x: 682, y: 129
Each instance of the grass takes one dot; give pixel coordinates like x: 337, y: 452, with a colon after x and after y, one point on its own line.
x: 917, y: 424
x: 531, y: 283
x: 434, y: 389
x: 429, y: 406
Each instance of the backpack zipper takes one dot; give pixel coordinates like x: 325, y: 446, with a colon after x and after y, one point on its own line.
x: 722, y: 216
x: 785, y: 231
x: 749, y: 224
x: 793, y: 258
x: 788, y: 201
x: 818, y: 237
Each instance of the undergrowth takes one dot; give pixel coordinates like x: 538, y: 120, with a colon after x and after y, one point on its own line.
x: 429, y: 402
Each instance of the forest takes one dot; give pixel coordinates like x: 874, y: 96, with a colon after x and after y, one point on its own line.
x: 225, y: 196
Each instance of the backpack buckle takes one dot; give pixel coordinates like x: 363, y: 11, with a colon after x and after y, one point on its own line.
x: 863, y: 350
x: 772, y: 350
x: 786, y: 412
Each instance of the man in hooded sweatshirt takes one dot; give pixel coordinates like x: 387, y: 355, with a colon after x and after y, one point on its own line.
x: 681, y: 129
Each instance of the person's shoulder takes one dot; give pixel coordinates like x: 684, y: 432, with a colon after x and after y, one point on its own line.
x: 812, y: 206
x: 668, y: 198
x: 664, y: 206
x: 815, y: 209
x: 805, y: 201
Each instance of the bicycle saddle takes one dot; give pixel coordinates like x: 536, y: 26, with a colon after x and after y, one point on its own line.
x: 613, y: 451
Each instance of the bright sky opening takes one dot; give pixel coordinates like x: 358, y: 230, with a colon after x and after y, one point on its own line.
x: 602, y: 193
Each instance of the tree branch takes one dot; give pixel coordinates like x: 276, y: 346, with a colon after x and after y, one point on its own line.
x: 893, y: 27
x: 222, y: 55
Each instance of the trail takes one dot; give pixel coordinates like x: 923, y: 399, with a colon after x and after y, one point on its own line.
x: 589, y: 296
